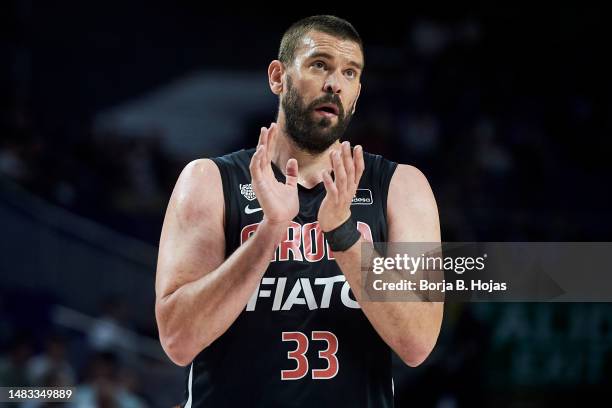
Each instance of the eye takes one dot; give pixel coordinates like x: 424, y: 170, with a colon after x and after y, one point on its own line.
x: 350, y: 73
x: 318, y: 64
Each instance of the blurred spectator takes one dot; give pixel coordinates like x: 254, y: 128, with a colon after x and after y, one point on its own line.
x: 110, y: 332
x: 51, y: 364
x: 14, y: 365
x: 103, y: 387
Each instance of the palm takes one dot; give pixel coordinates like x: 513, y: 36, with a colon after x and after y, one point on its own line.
x: 279, y: 201
x: 348, y: 168
x: 330, y: 212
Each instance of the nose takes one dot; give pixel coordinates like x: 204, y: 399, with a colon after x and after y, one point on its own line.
x: 332, y: 84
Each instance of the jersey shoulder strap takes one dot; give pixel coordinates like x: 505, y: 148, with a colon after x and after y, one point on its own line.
x: 377, y: 176
x: 236, y: 178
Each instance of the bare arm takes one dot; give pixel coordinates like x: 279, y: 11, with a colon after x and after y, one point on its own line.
x: 410, y: 328
x: 198, y: 293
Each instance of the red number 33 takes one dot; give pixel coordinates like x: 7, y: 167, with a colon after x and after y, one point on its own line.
x: 298, y: 355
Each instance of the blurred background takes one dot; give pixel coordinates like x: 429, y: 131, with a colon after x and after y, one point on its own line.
x: 507, y: 111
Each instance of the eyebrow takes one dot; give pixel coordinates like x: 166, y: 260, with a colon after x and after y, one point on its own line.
x: 321, y: 54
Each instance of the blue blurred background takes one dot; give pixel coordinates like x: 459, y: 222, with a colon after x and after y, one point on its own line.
x: 507, y: 111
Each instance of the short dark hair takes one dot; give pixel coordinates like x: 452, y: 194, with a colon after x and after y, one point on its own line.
x: 331, y: 25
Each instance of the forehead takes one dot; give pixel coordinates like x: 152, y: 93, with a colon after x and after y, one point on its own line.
x: 315, y: 42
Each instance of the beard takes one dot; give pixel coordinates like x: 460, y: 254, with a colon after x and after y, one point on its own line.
x: 309, y: 134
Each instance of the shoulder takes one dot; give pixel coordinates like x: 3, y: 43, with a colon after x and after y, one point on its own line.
x: 410, y: 179
x: 201, y: 175
x: 198, y: 192
x: 411, y: 198
x: 197, y: 175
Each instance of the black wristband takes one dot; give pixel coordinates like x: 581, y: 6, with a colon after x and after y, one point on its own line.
x: 344, y: 236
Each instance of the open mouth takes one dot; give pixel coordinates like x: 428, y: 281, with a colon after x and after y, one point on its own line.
x: 328, y: 110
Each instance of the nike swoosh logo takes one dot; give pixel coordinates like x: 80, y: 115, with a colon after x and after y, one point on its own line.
x: 248, y: 210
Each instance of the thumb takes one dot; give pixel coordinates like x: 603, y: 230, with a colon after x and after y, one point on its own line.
x: 291, y: 171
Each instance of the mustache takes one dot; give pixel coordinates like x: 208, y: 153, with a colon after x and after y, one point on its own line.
x: 329, y: 98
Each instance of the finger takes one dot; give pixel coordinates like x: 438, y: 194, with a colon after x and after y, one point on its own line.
x: 263, y: 139
x: 261, y: 132
x: 263, y: 161
x: 272, y: 131
x: 359, y: 163
x: 339, y: 172
x: 254, y: 167
x: 272, y: 137
x: 330, y: 186
x: 349, y: 165
x: 291, y: 170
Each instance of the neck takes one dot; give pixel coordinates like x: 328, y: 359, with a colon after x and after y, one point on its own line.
x: 310, y: 165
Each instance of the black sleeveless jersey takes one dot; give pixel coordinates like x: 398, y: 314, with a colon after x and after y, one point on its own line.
x: 302, y: 340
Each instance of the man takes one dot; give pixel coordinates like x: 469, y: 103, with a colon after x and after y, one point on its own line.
x: 255, y: 263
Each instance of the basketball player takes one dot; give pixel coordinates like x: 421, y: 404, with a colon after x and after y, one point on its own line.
x: 260, y: 247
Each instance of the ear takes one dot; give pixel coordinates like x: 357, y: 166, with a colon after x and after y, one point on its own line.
x: 355, y: 103
x: 275, y: 76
